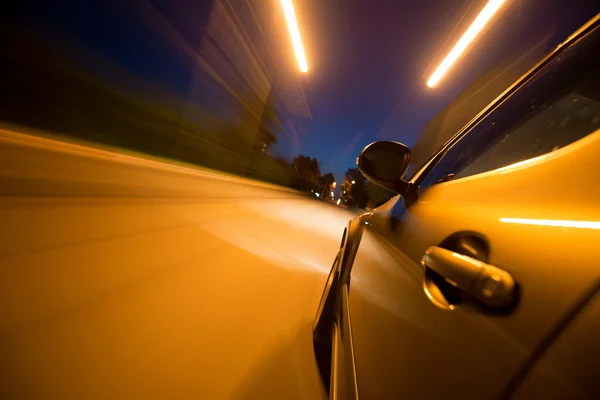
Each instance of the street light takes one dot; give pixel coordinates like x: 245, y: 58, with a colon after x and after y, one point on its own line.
x: 334, y: 184
x: 353, y: 182
x: 290, y: 16
x: 484, y: 16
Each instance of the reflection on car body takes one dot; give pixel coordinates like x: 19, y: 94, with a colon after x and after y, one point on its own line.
x: 472, y: 284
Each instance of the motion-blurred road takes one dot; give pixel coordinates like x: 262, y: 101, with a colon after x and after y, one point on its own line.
x: 127, y: 278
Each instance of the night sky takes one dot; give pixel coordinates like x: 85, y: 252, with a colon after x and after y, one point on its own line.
x: 368, y: 79
x: 368, y: 59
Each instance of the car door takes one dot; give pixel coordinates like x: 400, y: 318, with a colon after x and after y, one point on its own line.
x: 518, y: 190
x: 567, y: 367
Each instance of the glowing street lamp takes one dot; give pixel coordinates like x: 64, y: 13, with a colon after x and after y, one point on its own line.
x: 290, y: 16
x: 334, y: 184
x: 482, y: 19
x: 353, y: 182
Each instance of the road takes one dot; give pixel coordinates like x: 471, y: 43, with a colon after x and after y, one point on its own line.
x: 128, y: 278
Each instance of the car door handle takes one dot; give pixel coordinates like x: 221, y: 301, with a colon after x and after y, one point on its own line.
x: 486, y: 283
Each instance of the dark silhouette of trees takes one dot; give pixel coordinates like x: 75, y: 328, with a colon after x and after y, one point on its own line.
x: 354, y: 194
x: 325, y: 186
x: 307, y: 173
x: 362, y: 193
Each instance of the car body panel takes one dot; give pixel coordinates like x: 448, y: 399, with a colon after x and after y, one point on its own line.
x: 568, y: 369
x: 401, y: 329
x: 350, y: 387
x: 538, y: 221
x: 336, y: 384
x: 338, y: 276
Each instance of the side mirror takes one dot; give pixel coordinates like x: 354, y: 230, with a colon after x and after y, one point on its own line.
x: 384, y: 163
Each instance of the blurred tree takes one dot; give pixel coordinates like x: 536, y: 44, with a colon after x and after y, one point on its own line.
x: 266, y: 136
x: 354, y: 194
x: 307, y: 173
x: 325, y: 185
x: 270, y: 125
x: 263, y: 137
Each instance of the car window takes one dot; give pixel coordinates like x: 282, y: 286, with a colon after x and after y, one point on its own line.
x: 553, y: 126
x: 557, y: 107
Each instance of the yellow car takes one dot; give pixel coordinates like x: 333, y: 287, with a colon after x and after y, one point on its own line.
x: 481, y: 279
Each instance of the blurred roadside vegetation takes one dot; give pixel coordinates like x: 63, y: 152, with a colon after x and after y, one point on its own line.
x: 62, y: 89
x: 43, y: 88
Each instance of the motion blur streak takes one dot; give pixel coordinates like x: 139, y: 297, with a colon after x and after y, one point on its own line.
x: 553, y: 222
x: 290, y: 16
x: 482, y: 19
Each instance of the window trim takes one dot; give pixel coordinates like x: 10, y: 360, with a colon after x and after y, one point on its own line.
x: 415, y: 181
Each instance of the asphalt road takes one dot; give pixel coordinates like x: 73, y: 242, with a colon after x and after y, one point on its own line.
x: 128, y: 278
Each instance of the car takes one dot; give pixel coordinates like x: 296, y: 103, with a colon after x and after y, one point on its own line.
x: 480, y: 279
